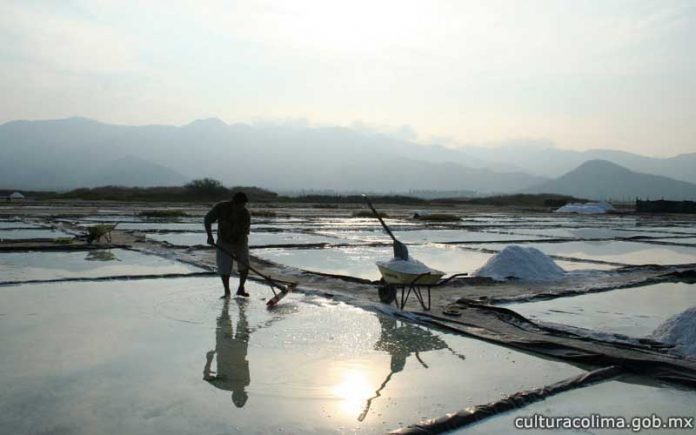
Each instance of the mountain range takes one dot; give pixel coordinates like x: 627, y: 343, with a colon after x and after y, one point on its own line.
x: 601, y: 179
x: 79, y: 152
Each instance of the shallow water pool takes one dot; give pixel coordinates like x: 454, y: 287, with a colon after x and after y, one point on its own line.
x: 16, y: 225
x: 585, y: 233
x: 687, y: 240
x: 360, y: 261
x: 634, y: 311
x: 255, y: 239
x: 25, y: 266
x: 160, y: 356
x: 33, y: 233
x: 161, y: 226
x: 633, y: 253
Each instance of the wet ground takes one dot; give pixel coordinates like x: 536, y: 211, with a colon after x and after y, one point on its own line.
x: 132, y: 339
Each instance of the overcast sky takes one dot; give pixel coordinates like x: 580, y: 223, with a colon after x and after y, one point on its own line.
x: 583, y: 74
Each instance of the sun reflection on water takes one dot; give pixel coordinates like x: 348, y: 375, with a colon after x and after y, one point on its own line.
x: 353, y: 391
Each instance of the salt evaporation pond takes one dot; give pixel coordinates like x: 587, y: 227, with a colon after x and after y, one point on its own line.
x: 425, y: 236
x: 686, y: 240
x: 166, y: 356
x: 585, y: 233
x: 635, y: 312
x: 32, y: 233
x: 255, y: 238
x: 25, y: 266
x: 16, y: 225
x: 633, y: 253
x: 161, y: 226
x: 677, y: 229
x: 445, y: 235
x: 535, y: 232
x: 360, y: 261
x: 627, y: 397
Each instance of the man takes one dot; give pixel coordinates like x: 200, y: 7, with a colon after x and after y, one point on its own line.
x: 233, y: 221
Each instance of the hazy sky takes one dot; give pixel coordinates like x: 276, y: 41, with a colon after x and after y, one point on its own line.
x: 583, y: 74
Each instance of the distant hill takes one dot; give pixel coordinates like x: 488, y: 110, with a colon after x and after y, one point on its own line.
x: 131, y: 171
x: 77, y: 152
x: 602, y: 180
x: 542, y: 159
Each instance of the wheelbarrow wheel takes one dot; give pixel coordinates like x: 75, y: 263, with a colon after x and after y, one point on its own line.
x: 387, y: 293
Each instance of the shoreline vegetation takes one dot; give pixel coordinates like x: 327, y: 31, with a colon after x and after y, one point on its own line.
x: 207, y: 190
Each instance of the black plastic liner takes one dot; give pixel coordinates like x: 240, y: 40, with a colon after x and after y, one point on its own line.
x: 517, y: 400
x: 506, y: 327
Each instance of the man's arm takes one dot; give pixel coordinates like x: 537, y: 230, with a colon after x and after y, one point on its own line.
x: 210, y: 217
x: 246, y: 222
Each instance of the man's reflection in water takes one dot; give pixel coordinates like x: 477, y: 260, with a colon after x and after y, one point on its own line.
x: 231, y: 349
x: 232, y: 364
x: 400, y: 340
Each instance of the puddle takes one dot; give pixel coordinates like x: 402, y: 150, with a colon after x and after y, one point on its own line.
x: 32, y: 233
x: 255, y: 239
x: 629, y: 397
x: 24, y: 266
x: 634, y: 312
x: 360, y: 261
x: 159, y: 356
x: 634, y: 253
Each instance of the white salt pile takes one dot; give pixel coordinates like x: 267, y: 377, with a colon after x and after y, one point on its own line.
x: 680, y: 331
x: 406, y: 266
x: 527, y: 264
x: 588, y: 208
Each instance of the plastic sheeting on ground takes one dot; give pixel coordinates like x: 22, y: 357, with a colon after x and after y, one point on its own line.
x: 517, y: 400
x: 504, y: 326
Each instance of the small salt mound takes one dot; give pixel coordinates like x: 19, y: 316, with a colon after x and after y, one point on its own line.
x: 406, y: 266
x: 589, y: 208
x: 527, y: 264
x: 680, y: 331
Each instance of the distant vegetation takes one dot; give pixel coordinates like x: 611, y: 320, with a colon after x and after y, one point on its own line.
x: 209, y: 190
x: 206, y: 188
x: 526, y: 200
x: 354, y: 199
x: 202, y: 190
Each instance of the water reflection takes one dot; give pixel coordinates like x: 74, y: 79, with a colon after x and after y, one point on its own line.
x: 231, y: 349
x: 232, y: 365
x: 401, y: 340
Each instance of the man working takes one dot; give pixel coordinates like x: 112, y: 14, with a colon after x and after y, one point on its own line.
x: 234, y: 222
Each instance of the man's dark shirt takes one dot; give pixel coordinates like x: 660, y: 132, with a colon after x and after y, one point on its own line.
x: 233, y: 221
